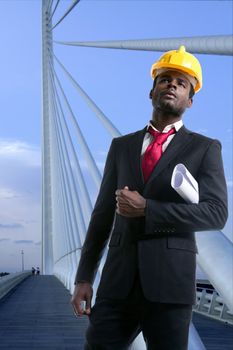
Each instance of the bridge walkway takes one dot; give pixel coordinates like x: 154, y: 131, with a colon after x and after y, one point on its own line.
x: 38, y: 315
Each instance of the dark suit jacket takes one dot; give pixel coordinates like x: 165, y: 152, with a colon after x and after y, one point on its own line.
x: 160, y: 246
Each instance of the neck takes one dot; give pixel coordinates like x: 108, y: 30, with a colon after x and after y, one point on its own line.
x: 161, y: 120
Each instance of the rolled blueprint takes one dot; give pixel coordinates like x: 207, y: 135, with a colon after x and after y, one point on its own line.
x: 184, y: 184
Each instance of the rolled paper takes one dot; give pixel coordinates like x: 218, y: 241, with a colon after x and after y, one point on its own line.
x: 185, y: 184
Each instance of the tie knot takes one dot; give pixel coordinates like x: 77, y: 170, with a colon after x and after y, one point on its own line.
x: 160, y: 137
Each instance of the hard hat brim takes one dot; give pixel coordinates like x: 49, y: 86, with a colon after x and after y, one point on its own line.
x: 170, y: 66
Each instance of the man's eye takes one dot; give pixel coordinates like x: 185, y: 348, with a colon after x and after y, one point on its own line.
x: 164, y: 80
x: 182, y: 83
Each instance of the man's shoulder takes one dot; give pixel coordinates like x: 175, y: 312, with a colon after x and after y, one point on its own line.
x: 200, y: 137
x: 130, y: 136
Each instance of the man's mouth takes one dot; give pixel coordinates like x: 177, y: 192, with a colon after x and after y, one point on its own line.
x: 169, y: 94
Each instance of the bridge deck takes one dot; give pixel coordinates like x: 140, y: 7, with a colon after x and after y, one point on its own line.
x: 38, y: 315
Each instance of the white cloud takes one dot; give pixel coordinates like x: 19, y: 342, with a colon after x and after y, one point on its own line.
x: 8, y: 193
x: 13, y: 225
x: 24, y: 241
x: 20, y: 165
x: 4, y: 239
x: 229, y: 183
x: 20, y: 202
x: 20, y: 151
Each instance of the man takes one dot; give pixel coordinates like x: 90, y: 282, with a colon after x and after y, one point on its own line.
x: 148, y: 281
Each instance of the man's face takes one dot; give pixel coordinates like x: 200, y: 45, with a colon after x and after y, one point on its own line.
x: 171, y: 93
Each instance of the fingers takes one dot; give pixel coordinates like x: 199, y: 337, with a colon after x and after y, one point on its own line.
x: 129, y: 203
x: 123, y: 199
x: 81, y: 299
x: 129, y: 212
x: 80, y: 307
x: 120, y: 209
x: 77, y: 304
x: 123, y: 191
x: 84, y: 306
x: 88, y: 306
x: 129, y: 198
x: 123, y: 195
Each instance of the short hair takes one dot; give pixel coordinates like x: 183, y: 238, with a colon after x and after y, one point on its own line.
x: 191, y: 92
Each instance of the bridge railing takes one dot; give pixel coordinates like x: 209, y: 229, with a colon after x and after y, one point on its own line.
x: 209, y: 303
x: 7, y: 283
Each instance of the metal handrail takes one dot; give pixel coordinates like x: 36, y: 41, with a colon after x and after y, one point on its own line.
x: 211, y: 304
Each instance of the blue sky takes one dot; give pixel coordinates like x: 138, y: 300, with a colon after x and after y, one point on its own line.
x: 117, y: 80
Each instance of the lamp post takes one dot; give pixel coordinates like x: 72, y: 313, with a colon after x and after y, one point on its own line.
x: 22, y: 252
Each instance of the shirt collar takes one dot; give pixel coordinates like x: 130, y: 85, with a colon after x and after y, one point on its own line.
x: 176, y: 125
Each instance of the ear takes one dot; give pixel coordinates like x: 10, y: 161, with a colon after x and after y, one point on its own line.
x: 189, y: 103
x: 150, y: 94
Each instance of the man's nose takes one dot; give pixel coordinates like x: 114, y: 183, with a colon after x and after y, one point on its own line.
x: 172, y: 84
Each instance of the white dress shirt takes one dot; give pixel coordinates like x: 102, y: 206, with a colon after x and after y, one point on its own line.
x: 148, y: 138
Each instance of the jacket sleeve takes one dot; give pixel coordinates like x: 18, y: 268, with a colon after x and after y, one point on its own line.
x: 100, y: 223
x: 211, y: 211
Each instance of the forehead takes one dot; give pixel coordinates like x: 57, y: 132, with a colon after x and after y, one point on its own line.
x: 173, y: 74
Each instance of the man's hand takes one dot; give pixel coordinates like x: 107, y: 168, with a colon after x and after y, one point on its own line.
x: 82, y: 293
x: 130, y: 203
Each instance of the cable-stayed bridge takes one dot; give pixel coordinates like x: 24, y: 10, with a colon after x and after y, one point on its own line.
x: 73, y: 199
x: 65, y: 193
x: 66, y: 198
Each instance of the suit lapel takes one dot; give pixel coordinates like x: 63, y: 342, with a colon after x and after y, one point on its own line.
x: 175, y: 147
x: 135, y: 149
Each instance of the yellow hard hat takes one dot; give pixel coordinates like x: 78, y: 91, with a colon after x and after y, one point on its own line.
x: 182, y: 61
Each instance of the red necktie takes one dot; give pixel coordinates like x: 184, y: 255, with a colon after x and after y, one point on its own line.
x: 154, y: 151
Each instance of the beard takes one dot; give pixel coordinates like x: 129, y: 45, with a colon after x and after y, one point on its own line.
x: 168, y: 107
